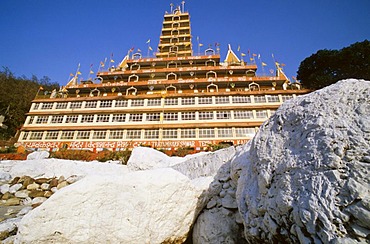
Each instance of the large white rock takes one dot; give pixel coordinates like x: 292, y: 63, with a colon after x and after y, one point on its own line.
x: 204, y: 164
x: 154, y: 206
x: 50, y: 168
x: 305, y: 176
x: 38, y: 155
x: 143, y: 158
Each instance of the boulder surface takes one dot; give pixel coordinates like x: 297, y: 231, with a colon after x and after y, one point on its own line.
x: 305, y: 175
x: 153, y: 206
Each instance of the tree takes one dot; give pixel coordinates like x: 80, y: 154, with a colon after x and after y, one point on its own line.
x: 329, y: 66
x: 16, y: 95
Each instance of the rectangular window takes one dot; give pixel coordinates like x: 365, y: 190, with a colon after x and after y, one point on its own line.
x: 57, y: 119
x: 36, y: 106
x: 84, y: 134
x: 153, y: 117
x: 75, y: 105
x: 71, y: 118
x: 245, y: 132
x: 61, y: 105
x: 36, y: 135
x: 154, y: 102
x: 133, y: 134
x: 116, y: 134
x: 223, y: 114
x: 241, y: 99
x: 136, y: 117
x: 225, y: 132
x: 222, y: 100
x: 188, y: 115
x: 273, y: 98
x: 205, y: 100
x: 30, y: 121
x: 137, y: 103
x: 170, y: 116
x: 259, y: 99
x: 151, y: 134
x: 106, y: 104
x: 188, y: 100
x: 25, y: 135
x: 243, y: 114
x: 42, y: 119
x: 286, y: 97
x: 119, y: 118
x: 87, y: 118
x: 91, y: 104
x: 47, y: 105
x: 206, y: 133
x: 169, y: 133
x: 51, y: 135
x: 99, y: 134
x: 67, y: 135
x: 170, y: 101
x: 206, y: 115
x: 102, y: 118
x: 121, y: 103
x: 261, y: 114
x: 188, y: 133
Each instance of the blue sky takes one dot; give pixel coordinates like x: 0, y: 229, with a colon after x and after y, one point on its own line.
x: 50, y: 38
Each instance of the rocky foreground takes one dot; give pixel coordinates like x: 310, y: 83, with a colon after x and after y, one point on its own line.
x: 304, y: 178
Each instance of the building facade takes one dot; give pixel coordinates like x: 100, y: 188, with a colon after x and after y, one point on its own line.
x: 171, y: 100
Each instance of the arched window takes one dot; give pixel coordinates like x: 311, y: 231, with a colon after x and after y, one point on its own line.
x: 132, y: 89
x: 95, y: 91
x: 174, y: 40
x: 175, y: 32
x: 136, y: 56
x: 254, y: 86
x: 134, y: 78
x: 175, y: 25
x: 171, y: 76
x: 209, y: 51
x: 174, y: 49
x: 172, y: 64
x: 250, y: 72
x: 171, y: 87
x: 135, y: 66
x: 210, y: 63
x: 211, y: 74
x: 211, y: 87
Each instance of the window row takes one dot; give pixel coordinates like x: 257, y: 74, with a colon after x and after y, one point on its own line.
x: 141, y: 117
x: 140, y: 134
x: 162, y: 102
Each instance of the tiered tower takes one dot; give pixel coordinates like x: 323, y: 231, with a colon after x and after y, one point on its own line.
x: 176, y: 99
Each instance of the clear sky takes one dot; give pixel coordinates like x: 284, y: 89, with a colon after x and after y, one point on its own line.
x: 51, y: 37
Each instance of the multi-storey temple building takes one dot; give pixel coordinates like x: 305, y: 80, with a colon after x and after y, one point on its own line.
x: 175, y: 99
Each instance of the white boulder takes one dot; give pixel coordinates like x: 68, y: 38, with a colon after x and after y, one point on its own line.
x: 305, y: 177
x: 143, y: 158
x: 38, y: 155
x: 204, y: 164
x: 50, y: 168
x: 154, y: 206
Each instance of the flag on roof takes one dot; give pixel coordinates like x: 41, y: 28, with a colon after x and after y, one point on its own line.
x: 150, y: 48
x: 148, y: 41
x: 91, y: 72
x: 71, y: 74
x: 264, y: 64
x: 201, y: 44
x: 243, y: 54
x: 112, y: 61
x: 238, y: 48
x: 78, y: 72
